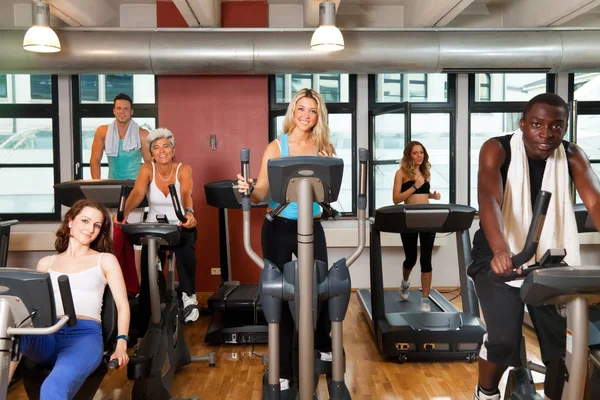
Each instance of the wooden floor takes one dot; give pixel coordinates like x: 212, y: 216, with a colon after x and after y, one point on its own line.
x: 239, y: 370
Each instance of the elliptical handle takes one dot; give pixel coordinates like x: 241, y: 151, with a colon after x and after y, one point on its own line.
x: 67, y: 299
x: 245, y: 166
x: 535, y: 229
x: 176, y: 204
x: 122, y: 198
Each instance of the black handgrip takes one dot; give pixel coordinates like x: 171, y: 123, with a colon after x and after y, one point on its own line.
x: 330, y: 212
x: 113, y: 364
x: 122, y: 198
x: 67, y: 299
x: 535, y: 229
x: 176, y: 204
x: 245, y: 166
x: 531, y: 242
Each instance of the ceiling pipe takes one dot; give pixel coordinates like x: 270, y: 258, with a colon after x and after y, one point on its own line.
x: 268, y: 51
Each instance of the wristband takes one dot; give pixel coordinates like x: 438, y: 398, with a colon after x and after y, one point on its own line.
x: 415, y: 187
x: 124, y: 337
x: 189, y: 210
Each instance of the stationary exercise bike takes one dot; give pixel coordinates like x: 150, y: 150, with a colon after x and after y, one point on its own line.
x: 306, y: 281
x: 570, y: 289
x: 163, y: 349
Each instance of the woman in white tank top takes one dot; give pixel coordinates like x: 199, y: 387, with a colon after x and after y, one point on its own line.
x: 84, y: 249
x: 153, y: 182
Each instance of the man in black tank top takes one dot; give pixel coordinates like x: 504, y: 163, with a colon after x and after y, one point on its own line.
x: 544, y: 125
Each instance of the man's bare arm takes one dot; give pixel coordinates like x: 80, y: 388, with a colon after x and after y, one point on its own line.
x: 145, y: 150
x: 586, y: 182
x: 97, y: 151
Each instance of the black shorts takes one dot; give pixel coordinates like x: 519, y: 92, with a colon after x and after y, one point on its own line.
x: 503, y: 313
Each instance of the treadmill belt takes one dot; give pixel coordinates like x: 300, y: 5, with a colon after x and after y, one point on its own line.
x: 394, y: 304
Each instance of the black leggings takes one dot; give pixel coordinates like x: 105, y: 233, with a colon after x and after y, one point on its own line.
x: 409, y: 242
x: 279, y: 241
x: 185, y: 260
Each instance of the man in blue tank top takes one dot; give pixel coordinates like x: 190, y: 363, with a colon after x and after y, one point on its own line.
x: 123, y: 141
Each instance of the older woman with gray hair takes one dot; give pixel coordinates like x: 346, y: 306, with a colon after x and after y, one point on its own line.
x: 153, y: 181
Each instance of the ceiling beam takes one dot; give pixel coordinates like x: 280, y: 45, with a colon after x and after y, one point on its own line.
x: 83, y: 12
x: 532, y: 13
x: 432, y: 13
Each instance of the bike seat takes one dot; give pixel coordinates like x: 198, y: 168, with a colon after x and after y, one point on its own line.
x: 545, y: 284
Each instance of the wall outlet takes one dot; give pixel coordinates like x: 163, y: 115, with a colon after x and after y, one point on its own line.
x: 215, y: 271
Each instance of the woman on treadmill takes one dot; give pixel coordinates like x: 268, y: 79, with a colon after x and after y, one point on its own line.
x: 411, y: 186
x: 306, y: 133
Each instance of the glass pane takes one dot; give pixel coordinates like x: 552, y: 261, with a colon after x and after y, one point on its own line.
x: 88, y: 129
x: 587, y: 86
x: 27, y: 190
x: 25, y: 89
x: 389, y: 136
x: 88, y: 88
x: 509, y: 87
x: 384, y: 184
x: 87, y: 174
x: 41, y: 87
x: 433, y: 130
x: 340, y: 126
x: 333, y: 87
x: 119, y: 83
x: 483, y: 127
x: 26, y: 141
x: 588, y: 135
x: 3, y: 88
x: 390, y: 88
x: 279, y: 124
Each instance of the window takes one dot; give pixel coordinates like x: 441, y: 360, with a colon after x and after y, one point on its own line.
x: 339, y: 93
x: 3, y: 87
x: 93, y: 106
x: 485, y: 87
x: 334, y: 88
x: 41, y: 87
x: 29, y: 155
x: 390, y: 88
x: 499, y: 113
x: 584, y: 88
x: 393, y: 124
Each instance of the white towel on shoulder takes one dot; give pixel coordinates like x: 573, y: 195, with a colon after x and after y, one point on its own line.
x: 560, y: 227
x: 132, y: 138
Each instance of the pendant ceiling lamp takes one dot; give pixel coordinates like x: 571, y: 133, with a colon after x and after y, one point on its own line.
x: 40, y: 38
x: 327, y: 37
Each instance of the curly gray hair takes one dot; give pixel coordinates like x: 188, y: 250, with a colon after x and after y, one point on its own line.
x: 160, y: 133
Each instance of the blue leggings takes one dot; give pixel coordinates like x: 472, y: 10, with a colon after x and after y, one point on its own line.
x: 73, y: 352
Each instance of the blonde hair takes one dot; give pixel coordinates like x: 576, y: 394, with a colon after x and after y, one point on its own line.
x: 320, y: 132
x: 408, y: 166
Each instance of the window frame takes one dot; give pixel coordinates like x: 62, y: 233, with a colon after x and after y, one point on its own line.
x: 46, y: 111
x: 410, y: 108
x: 279, y: 109
x: 100, y: 110
x: 493, y: 107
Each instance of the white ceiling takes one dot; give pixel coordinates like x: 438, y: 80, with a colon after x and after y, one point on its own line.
x: 351, y: 13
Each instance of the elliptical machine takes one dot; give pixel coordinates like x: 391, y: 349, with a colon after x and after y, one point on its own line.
x: 305, y: 281
x: 163, y: 349
x: 570, y: 289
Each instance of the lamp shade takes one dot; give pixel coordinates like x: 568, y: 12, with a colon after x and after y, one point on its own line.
x: 40, y: 37
x: 327, y: 37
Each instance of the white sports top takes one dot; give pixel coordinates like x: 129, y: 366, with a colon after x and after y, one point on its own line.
x: 87, y: 288
x: 158, y: 203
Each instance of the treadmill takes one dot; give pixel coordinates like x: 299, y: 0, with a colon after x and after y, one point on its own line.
x: 400, y: 329
x: 237, y: 316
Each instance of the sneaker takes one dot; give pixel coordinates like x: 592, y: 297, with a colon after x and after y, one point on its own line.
x: 404, y: 289
x: 479, y: 395
x: 425, y: 305
x: 284, y: 384
x: 192, y: 315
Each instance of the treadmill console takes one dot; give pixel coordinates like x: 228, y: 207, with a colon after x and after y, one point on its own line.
x: 104, y: 191
x: 414, y: 218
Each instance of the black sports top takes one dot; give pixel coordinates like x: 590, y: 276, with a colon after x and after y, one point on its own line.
x: 482, y: 254
x: 424, y: 189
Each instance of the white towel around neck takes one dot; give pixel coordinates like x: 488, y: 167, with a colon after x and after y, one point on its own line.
x: 131, y: 141
x: 560, y: 227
